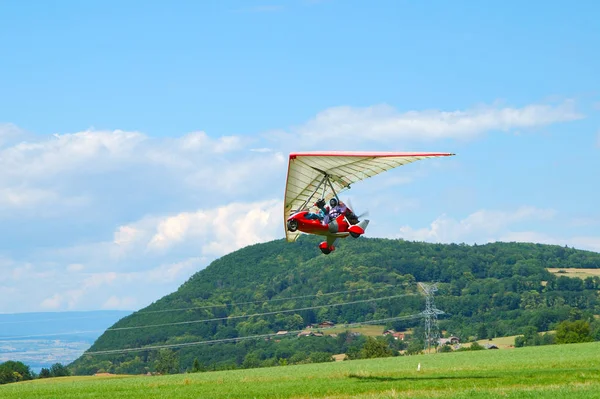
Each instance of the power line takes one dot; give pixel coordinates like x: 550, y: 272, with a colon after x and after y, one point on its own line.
x: 232, y: 304
x: 268, y: 300
x: 215, y: 341
x: 209, y: 320
x: 259, y: 314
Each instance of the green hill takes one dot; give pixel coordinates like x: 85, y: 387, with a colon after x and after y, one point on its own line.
x: 488, y: 290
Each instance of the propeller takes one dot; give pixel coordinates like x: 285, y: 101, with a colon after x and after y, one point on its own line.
x: 359, y: 217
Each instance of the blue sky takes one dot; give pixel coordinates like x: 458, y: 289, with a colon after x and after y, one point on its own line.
x: 126, y: 127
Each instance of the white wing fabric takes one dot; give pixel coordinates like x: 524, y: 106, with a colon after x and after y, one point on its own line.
x: 306, y: 171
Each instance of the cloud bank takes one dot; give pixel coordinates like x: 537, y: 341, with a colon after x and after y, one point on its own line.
x: 384, y: 124
x: 485, y: 226
x: 116, y: 219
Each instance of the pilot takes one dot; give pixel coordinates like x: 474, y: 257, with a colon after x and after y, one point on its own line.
x: 335, y: 209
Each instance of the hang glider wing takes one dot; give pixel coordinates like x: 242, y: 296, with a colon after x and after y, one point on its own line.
x: 308, y: 171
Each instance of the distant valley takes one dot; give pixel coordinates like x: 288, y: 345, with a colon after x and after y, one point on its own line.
x: 44, y: 338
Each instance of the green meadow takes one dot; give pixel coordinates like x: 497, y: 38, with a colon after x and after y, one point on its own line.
x: 556, y: 371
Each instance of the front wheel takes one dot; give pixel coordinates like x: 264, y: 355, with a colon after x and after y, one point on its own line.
x: 292, y: 225
x: 326, y: 251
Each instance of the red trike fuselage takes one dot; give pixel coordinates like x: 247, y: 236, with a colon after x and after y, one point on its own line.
x: 315, y: 226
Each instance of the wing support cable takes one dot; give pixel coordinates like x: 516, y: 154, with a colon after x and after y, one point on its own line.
x: 325, y: 181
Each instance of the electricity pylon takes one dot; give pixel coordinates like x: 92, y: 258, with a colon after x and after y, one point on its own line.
x: 432, y: 330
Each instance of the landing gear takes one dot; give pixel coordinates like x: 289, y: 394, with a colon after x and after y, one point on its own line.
x: 292, y: 225
x: 326, y: 249
x: 358, y: 229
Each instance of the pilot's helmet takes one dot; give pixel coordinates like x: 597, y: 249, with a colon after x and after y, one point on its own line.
x: 333, y: 202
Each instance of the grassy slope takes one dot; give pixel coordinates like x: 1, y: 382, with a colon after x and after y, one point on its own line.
x: 369, y: 330
x: 574, y: 272
x: 558, y: 371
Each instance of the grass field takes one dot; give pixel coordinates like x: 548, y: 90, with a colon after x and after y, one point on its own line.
x: 574, y: 272
x: 556, y: 371
x: 368, y: 330
x: 501, y: 342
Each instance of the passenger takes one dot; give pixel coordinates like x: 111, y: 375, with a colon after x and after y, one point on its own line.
x: 317, y: 216
x: 336, y: 209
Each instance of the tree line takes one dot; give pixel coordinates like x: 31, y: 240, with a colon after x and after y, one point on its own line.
x: 15, y: 371
x: 486, y: 291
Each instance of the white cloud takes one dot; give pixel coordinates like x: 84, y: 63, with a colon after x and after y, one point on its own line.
x: 23, y: 197
x: 87, y: 151
x: 94, y: 152
x: 52, y: 303
x: 489, y: 226
x: 144, y: 260
x: 112, y: 289
x: 591, y: 243
x: 51, y: 176
x: 83, y: 166
x: 19, y: 203
x: 208, y: 232
x: 8, y: 132
x: 584, y: 222
x: 152, y: 211
x: 172, y: 271
x: 75, y: 267
x: 580, y: 242
x: 218, y: 231
x: 382, y: 123
x: 234, y: 177
x: 119, y: 303
x: 480, y: 226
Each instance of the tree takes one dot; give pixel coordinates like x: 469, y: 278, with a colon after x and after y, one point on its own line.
x: 569, y: 332
x: 58, y: 370
x: 196, y: 366
x: 375, y: 348
x: 320, y: 357
x: 13, y: 371
x: 520, y: 341
x: 475, y: 346
x: 487, y: 290
x: 482, y: 331
x: 414, y: 347
x: 167, y: 362
x: 251, y: 360
x: 445, y: 349
x: 45, y: 373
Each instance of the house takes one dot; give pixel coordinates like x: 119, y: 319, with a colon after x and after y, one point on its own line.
x: 449, y: 341
x: 310, y: 334
x: 325, y: 324
x: 281, y: 333
x: 398, y: 336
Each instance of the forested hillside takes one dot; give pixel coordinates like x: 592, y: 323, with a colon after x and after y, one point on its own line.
x: 486, y: 290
